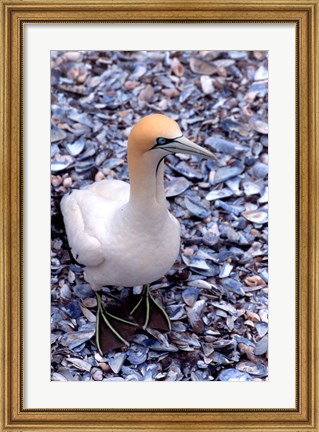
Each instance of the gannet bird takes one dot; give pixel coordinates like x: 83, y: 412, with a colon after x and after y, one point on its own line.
x: 124, y: 234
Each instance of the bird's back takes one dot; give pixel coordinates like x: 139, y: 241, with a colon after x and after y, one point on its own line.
x: 87, y: 215
x: 111, y: 190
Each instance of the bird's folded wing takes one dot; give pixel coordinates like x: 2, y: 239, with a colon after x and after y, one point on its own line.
x: 85, y: 248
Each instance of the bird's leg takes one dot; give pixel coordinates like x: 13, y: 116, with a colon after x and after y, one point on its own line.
x: 148, y: 312
x: 112, y: 331
x: 144, y: 300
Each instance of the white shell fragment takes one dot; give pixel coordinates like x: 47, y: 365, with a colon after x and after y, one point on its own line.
x: 116, y: 361
x: 57, y: 166
x: 74, y: 339
x: 76, y: 148
x: 234, y: 375
x: 218, y: 194
x: 207, y: 84
x: 190, y: 295
x: 80, y: 364
x: 177, y: 186
x: 256, y: 216
x: 57, y: 134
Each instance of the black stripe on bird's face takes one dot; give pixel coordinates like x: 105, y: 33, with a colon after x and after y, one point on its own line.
x: 161, y: 142
x: 159, y: 162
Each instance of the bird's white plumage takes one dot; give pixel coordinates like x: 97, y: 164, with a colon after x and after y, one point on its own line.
x: 82, y: 218
x: 118, y: 244
x: 124, y: 234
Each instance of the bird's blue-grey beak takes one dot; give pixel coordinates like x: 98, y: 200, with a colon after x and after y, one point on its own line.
x: 184, y: 145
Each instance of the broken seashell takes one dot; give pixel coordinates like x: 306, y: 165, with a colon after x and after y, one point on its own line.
x: 177, y: 186
x: 202, y: 67
x: 207, y: 84
x: 116, y: 361
x: 256, y: 216
x: 177, y: 67
x: 190, y: 295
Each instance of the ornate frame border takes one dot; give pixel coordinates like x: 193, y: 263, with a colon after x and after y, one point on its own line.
x: 304, y: 14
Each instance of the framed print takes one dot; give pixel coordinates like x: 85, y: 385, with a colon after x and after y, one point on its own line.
x: 137, y: 295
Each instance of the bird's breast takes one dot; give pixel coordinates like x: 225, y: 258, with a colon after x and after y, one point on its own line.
x: 142, y: 248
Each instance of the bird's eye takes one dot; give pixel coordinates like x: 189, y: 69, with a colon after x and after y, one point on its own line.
x: 161, y: 141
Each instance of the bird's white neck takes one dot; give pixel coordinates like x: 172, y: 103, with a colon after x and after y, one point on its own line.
x: 147, y: 181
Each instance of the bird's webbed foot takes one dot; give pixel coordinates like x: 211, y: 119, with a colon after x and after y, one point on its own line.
x: 114, y: 327
x: 149, y: 313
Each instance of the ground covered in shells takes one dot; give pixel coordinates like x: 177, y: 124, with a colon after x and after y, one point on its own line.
x: 216, y: 294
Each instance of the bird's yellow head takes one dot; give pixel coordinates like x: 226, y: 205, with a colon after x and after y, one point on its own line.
x: 160, y: 134
x: 148, y: 131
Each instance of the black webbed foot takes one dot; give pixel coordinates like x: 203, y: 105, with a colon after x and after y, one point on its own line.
x: 114, y: 327
x: 149, y: 313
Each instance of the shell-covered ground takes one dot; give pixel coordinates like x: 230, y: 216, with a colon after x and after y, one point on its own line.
x: 216, y: 294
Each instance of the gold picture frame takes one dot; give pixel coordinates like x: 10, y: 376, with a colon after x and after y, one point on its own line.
x: 304, y: 15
